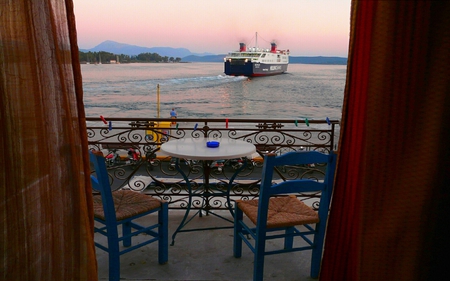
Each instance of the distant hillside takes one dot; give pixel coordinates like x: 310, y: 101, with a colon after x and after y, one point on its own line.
x: 132, y: 50
x: 318, y: 60
x: 304, y: 60
x: 187, y: 56
x: 210, y: 58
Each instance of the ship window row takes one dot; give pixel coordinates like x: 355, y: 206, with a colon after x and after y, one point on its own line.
x: 272, y: 60
x: 254, y: 55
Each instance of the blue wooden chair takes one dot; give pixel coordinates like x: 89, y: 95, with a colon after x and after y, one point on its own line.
x: 278, y: 214
x: 120, y: 208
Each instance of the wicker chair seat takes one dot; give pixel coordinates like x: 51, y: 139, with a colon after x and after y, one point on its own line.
x: 127, y: 204
x: 283, y: 212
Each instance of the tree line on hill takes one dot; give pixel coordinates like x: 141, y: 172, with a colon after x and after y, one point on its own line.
x: 106, y: 57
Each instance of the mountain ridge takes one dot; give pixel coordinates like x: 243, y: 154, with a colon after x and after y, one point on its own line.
x: 187, y: 56
x: 133, y: 50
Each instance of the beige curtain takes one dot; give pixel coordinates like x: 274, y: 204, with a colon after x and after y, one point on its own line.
x: 390, y: 211
x: 46, y: 226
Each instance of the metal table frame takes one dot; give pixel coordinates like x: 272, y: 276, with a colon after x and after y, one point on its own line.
x: 195, y: 149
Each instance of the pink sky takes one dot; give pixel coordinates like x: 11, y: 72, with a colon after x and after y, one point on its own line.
x: 305, y: 27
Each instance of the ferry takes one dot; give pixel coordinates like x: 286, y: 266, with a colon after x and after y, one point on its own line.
x: 254, y: 62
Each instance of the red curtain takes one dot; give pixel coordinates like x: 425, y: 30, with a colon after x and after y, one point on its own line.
x: 390, y: 203
x: 46, y: 216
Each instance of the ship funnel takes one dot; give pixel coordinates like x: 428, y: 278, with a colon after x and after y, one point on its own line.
x: 274, y: 48
x: 242, y: 47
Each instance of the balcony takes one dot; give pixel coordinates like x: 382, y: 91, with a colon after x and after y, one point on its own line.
x: 132, y: 147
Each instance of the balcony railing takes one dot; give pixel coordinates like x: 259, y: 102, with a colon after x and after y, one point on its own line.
x: 132, y: 149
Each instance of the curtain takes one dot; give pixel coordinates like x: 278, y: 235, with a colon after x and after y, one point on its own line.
x: 46, y: 216
x: 391, y: 201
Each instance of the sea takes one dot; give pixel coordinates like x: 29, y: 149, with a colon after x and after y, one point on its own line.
x: 202, y: 90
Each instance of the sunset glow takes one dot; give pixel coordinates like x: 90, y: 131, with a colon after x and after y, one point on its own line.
x: 305, y: 27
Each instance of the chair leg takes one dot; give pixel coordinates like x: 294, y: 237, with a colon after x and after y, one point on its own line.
x: 163, y: 233
x: 316, y: 256
x: 114, y: 267
x: 114, y: 259
x: 126, y: 230
x: 289, y: 238
x: 237, y: 241
x: 260, y: 248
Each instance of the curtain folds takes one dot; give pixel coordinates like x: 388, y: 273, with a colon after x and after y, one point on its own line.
x: 391, y: 190
x: 45, y: 206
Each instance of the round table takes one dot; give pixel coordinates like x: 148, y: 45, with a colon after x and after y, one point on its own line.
x: 196, y: 149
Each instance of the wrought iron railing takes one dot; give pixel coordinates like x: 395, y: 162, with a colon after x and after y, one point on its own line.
x: 132, y: 149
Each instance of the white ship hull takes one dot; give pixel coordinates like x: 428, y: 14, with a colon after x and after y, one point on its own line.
x: 256, y: 62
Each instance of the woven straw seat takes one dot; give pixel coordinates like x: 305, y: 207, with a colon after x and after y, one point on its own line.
x: 283, y: 212
x: 127, y: 204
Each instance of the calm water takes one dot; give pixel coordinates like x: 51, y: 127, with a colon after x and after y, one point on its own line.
x: 202, y: 90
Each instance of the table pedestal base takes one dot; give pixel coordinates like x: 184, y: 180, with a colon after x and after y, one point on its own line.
x: 206, y: 196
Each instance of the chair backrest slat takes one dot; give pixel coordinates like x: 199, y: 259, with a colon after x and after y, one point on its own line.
x: 100, y: 183
x: 300, y: 158
x: 296, y: 186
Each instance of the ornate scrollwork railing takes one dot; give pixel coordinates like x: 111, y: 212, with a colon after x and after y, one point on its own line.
x: 132, y: 150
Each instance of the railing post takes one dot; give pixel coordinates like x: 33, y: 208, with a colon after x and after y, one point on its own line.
x: 332, y: 148
x: 205, y: 129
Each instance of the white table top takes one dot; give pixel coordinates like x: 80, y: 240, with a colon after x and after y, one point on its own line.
x: 196, y: 149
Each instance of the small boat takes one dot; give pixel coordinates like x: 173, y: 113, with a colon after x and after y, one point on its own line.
x: 255, y: 61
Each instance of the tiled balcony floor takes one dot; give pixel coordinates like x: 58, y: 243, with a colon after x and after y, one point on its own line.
x: 203, y: 255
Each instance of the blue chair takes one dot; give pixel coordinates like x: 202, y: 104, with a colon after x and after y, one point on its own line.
x: 120, y: 208
x: 278, y: 213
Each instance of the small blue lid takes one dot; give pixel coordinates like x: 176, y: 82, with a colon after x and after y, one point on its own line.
x: 212, y: 144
